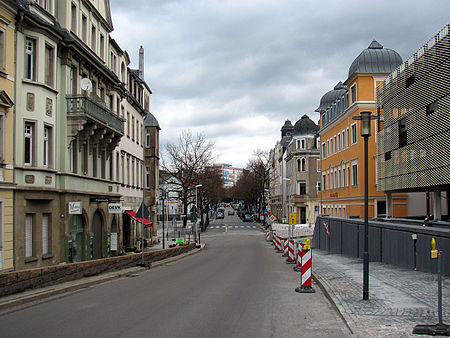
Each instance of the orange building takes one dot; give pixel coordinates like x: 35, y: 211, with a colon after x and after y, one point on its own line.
x: 342, y: 147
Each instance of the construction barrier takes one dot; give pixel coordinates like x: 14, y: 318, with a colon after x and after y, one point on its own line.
x: 305, y: 278
x: 286, y: 247
x: 278, y: 244
x: 268, y: 235
x: 290, y: 259
x: 298, y: 256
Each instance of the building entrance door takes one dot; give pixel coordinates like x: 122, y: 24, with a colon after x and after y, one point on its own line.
x: 98, y: 236
x: 302, y: 215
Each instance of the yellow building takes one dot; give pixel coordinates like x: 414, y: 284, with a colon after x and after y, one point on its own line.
x: 7, y: 24
x: 342, y: 147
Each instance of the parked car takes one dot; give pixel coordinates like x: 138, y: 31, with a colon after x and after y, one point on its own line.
x: 247, y: 218
x: 231, y: 212
x: 219, y: 214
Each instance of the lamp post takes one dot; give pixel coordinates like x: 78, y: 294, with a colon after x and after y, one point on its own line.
x: 196, y: 207
x: 286, y: 214
x: 365, y: 118
x: 163, y: 198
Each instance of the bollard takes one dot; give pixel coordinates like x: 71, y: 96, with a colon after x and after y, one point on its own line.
x: 268, y: 235
x: 440, y: 328
x: 290, y: 259
x: 305, y: 286
x: 286, y: 247
x: 298, y: 266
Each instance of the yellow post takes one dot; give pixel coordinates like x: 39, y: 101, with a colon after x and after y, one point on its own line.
x: 434, y: 251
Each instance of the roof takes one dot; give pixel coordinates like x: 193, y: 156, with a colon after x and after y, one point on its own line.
x: 305, y: 126
x: 287, y: 125
x: 331, y: 96
x: 151, y: 121
x: 375, y: 59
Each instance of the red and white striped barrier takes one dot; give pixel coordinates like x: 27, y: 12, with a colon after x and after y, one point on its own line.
x: 305, y: 286
x: 290, y: 259
x: 268, y: 235
x: 286, y: 247
x: 299, y: 252
x: 278, y: 247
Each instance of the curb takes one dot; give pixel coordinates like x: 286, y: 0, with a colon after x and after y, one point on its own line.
x: 40, y: 294
x: 331, y: 300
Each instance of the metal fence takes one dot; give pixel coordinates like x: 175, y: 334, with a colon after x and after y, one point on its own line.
x: 403, y: 245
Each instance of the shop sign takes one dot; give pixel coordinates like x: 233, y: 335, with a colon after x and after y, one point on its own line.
x: 115, y: 208
x: 75, y: 208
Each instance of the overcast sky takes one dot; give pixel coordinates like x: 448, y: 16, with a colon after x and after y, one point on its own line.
x: 236, y: 70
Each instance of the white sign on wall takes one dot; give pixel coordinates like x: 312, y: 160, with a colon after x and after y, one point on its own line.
x: 113, y: 241
x: 115, y: 208
x: 75, y: 208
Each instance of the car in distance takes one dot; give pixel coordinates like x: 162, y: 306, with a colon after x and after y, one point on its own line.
x: 247, y: 218
x: 231, y: 212
x: 219, y: 214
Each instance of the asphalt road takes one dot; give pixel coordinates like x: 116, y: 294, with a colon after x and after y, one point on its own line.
x: 236, y: 287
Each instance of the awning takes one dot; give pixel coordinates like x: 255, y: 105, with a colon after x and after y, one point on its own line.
x: 131, y: 213
x: 147, y: 223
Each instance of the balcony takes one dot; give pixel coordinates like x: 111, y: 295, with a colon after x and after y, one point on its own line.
x: 89, y: 120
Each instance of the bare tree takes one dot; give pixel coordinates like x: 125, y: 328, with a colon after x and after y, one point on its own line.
x: 186, y: 160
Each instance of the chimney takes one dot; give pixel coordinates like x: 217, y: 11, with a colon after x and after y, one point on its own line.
x: 141, y: 63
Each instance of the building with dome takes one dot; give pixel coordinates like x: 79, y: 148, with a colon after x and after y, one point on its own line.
x: 342, y: 147
x: 295, y: 172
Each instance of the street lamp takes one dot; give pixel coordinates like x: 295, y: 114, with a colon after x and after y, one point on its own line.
x: 365, y: 118
x: 163, y: 198
x: 289, y: 203
x: 196, y: 208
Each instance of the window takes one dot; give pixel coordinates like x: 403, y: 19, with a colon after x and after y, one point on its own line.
x: 147, y: 137
x: 94, y: 161
x: 73, y: 81
x: 102, y: 164
x: 46, y: 234
x: 324, y: 181
x: 343, y: 177
x: 402, y: 133
x: 2, y: 143
x: 2, y: 49
x: 331, y: 179
x: 117, y: 167
x: 343, y: 139
x: 301, y: 188
x: 84, y: 28
x: 49, y: 65
x: 332, y: 146
x: 30, y: 59
x: 318, y: 165
x: 328, y: 148
x: 354, y: 134
x: 93, y: 38
x: 339, y: 142
x: 29, y: 235
x: 432, y: 107
x: 348, y: 175
x: 318, y: 185
x: 353, y: 93
x: 128, y: 124
x: 300, y: 144
x: 335, y: 145
x: 102, y: 46
x: 324, y: 146
x: 29, y: 144
x: 74, y: 18
x: 132, y: 128
x: 84, y: 163
x: 147, y: 177
x: 348, y: 138
x: 123, y: 168
x: 73, y: 157
x: 339, y: 178
x: 128, y: 171
x: 409, y: 81
x: 111, y: 166
x: 48, y: 147
x: 354, y: 174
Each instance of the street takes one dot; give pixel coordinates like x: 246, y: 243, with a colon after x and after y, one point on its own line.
x: 236, y: 287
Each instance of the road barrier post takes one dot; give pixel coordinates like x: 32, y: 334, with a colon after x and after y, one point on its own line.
x: 298, y: 266
x: 286, y: 247
x: 290, y: 259
x: 305, y: 278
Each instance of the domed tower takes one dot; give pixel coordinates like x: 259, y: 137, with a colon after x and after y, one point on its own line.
x: 287, y: 129
x: 305, y: 126
x: 375, y: 59
x: 331, y: 96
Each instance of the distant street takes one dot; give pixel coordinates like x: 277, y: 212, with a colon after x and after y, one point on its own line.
x: 236, y: 287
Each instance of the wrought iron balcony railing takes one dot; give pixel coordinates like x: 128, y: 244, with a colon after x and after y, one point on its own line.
x: 84, y: 105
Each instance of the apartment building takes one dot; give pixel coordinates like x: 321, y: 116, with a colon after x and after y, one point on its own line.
x: 342, y: 149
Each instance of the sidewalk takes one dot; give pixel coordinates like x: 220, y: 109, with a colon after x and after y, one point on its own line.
x: 399, y: 299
